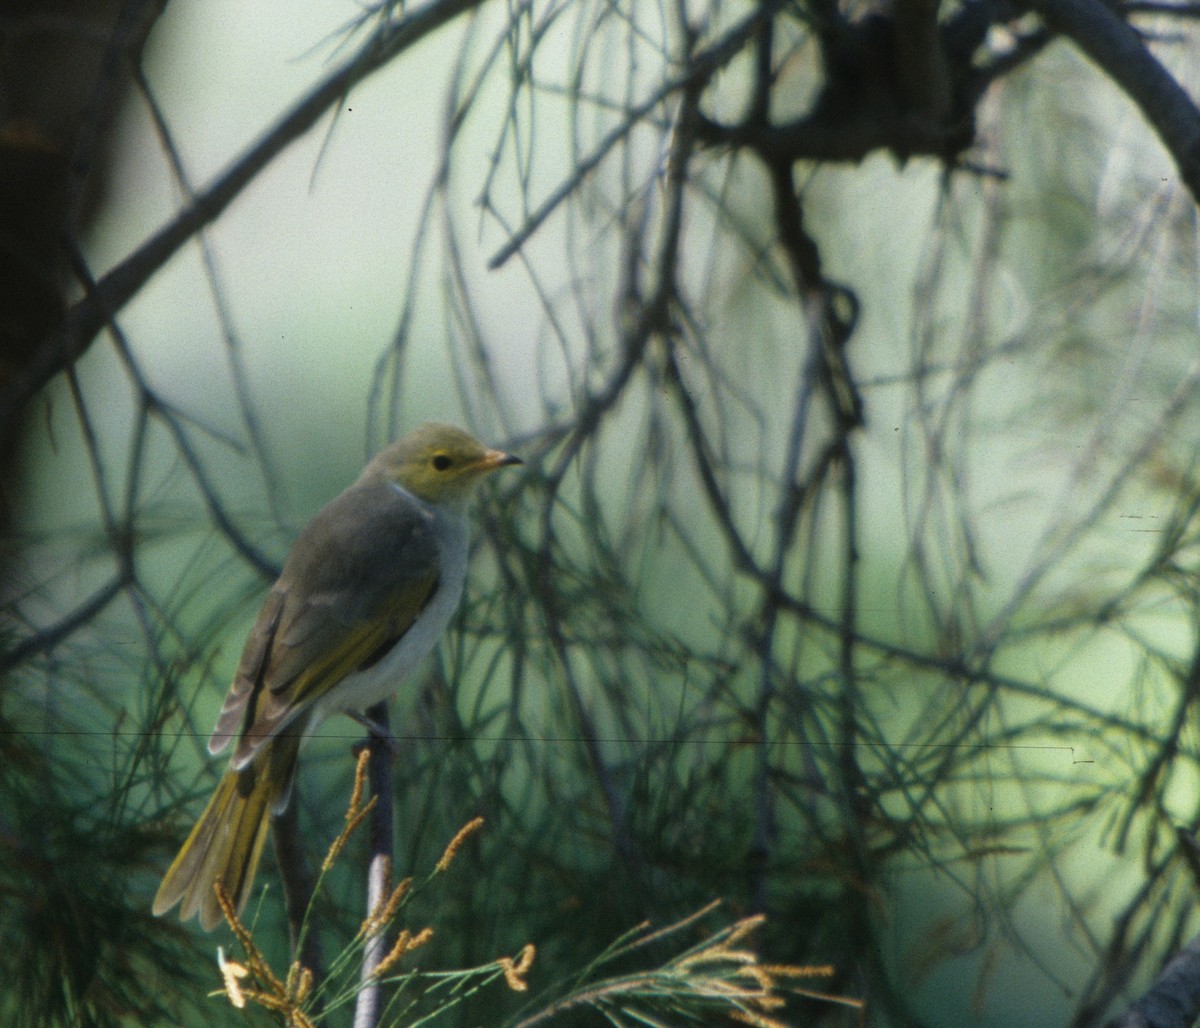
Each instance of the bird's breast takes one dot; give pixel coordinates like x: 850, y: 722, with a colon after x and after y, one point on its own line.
x: 378, y: 682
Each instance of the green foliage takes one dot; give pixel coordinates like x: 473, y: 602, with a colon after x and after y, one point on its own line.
x: 80, y: 946
x: 718, y: 978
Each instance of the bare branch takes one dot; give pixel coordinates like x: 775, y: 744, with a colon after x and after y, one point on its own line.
x: 1173, y: 1001
x: 369, y: 1005
x: 1119, y: 52
x: 115, y: 289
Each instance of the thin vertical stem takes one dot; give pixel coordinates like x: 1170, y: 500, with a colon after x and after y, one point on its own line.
x: 379, y: 870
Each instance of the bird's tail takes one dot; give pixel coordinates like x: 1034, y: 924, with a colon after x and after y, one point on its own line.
x: 226, y: 843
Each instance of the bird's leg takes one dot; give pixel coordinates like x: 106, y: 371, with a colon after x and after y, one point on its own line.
x: 377, y: 730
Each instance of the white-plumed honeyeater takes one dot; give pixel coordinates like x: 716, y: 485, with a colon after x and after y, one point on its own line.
x: 364, y: 595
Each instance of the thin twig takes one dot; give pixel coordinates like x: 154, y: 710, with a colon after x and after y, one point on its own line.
x: 116, y: 288
x: 379, y: 869
x: 1120, y: 53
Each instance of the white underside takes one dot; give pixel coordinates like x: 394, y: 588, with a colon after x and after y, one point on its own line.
x: 379, y: 682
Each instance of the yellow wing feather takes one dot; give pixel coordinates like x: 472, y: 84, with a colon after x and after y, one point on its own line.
x: 226, y: 843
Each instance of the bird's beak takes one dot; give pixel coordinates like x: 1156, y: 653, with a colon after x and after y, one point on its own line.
x: 493, y: 459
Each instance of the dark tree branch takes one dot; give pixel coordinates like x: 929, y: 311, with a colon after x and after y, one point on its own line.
x: 153, y: 404
x: 1173, y: 1001
x: 921, y: 64
x: 881, y: 90
x: 1168, y: 9
x: 115, y: 289
x: 700, y: 68
x: 907, y: 85
x: 966, y: 30
x: 47, y: 638
x: 1119, y: 52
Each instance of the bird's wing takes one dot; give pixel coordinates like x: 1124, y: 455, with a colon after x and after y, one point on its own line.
x: 358, y: 577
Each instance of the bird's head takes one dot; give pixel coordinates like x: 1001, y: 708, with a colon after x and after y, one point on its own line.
x: 437, y: 463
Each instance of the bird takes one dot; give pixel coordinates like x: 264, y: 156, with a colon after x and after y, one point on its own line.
x: 364, y: 595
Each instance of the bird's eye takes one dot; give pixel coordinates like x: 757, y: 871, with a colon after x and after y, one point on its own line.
x: 441, y: 462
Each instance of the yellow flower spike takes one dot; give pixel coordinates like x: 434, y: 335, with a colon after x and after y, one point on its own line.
x: 800, y: 970
x: 232, y: 972
x: 299, y: 982
x: 384, y: 911
x: 754, y: 1019
x: 759, y: 975
x: 716, y: 955
x: 744, y: 927
x: 257, y: 964
x: 354, y: 818
x: 464, y: 833
x: 515, y: 970
x: 404, y: 945
x: 360, y: 782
